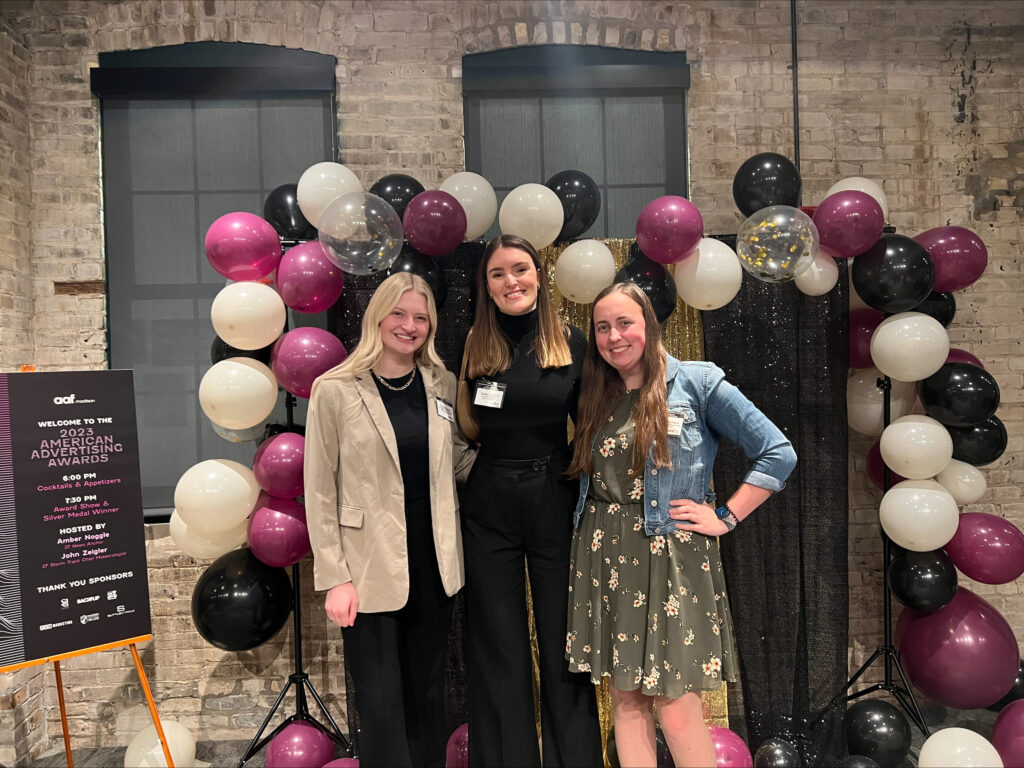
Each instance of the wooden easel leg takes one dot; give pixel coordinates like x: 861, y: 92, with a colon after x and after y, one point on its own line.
x: 152, y: 706
x: 63, y: 714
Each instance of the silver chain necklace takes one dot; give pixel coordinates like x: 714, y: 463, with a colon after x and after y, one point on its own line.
x: 412, y: 375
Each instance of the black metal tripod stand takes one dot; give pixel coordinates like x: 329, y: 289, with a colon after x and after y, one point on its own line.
x: 298, y: 678
x: 886, y: 651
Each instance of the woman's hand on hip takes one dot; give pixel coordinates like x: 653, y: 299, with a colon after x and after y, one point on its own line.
x: 342, y: 604
x: 693, y: 516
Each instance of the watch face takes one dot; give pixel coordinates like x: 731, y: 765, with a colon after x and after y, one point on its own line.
x: 721, y: 512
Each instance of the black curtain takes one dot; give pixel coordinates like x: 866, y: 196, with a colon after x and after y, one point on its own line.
x: 786, y: 566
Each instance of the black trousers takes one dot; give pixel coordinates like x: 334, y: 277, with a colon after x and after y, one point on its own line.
x: 516, y: 514
x: 397, y: 659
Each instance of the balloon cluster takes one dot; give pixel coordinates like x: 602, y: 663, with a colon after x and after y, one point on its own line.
x: 954, y: 646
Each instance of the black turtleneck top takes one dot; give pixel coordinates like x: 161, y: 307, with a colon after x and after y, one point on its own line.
x: 531, y: 422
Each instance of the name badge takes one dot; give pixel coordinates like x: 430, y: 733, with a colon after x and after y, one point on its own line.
x: 675, y: 425
x: 489, y: 394
x: 445, y: 410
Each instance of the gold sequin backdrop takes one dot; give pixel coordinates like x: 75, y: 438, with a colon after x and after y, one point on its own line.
x: 684, y: 339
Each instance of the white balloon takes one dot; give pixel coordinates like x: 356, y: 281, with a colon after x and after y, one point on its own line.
x: 710, y: 276
x: 958, y: 748
x: 238, y: 393
x: 145, y: 750
x: 864, y: 401
x: 204, y: 546
x: 533, y: 212
x: 476, y: 195
x: 919, y: 515
x: 583, y: 269
x: 916, y: 447
x: 248, y: 315
x: 909, y: 346
x: 320, y: 185
x: 821, y: 277
x: 867, y: 186
x: 214, y: 496
x: 251, y: 434
x: 965, y: 482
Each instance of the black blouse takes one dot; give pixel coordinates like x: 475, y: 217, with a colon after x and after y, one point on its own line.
x: 407, y: 410
x: 531, y: 422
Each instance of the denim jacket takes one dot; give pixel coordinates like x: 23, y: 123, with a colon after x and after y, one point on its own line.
x: 709, y: 407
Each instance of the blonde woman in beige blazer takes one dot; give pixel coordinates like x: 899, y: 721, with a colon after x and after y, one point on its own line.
x: 382, y: 456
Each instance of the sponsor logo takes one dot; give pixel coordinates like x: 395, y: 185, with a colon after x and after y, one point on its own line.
x: 87, y: 617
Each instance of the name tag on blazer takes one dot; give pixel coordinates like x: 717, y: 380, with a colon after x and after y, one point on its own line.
x: 490, y: 394
x: 445, y: 409
x: 675, y: 425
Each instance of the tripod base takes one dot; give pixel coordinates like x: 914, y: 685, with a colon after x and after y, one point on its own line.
x: 301, y: 682
x: 901, y: 693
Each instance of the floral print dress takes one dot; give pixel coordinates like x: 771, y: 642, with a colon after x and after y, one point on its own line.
x: 650, y: 612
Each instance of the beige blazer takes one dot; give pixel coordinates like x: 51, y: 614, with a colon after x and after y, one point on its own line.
x: 355, y: 503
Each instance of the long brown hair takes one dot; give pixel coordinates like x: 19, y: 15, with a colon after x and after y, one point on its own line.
x: 488, y: 347
x: 602, y: 390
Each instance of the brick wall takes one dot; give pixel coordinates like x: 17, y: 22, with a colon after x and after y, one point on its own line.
x: 921, y: 95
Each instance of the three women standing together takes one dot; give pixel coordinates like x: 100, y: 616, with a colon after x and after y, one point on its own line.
x: 646, y: 603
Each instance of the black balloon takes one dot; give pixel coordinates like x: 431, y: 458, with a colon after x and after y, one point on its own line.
x: 1016, y: 692
x: 240, y: 602
x: 221, y: 350
x: 776, y: 753
x: 766, y: 179
x: 894, y: 275
x: 980, y: 443
x: 652, y: 279
x: 924, y: 581
x: 398, y: 190
x: 960, y: 394
x: 941, y: 306
x: 411, y: 260
x: 857, y: 761
x: 281, y: 209
x: 581, y: 201
x: 877, y: 729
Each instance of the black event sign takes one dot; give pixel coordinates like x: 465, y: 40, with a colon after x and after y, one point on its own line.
x: 72, y: 542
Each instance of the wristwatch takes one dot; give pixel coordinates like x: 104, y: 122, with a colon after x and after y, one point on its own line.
x: 727, y: 516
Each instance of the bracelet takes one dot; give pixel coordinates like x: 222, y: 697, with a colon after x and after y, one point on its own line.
x: 727, y: 516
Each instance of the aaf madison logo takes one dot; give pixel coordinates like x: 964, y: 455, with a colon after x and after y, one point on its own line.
x: 71, y: 399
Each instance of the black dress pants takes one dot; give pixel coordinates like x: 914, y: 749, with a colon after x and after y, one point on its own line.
x: 518, y: 511
x: 397, y: 660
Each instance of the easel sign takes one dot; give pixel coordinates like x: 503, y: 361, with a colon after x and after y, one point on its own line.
x: 72, y: 543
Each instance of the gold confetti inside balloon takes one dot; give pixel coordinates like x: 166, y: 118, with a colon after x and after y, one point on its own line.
x: 777, y: 243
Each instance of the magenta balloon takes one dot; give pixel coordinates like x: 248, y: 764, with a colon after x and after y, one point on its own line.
x: 962, y: 356
x: 987, y: 548
x: 862, y: 326
x: 876, y: 468
x: 849, y: 222
x: 730, y: 749
x: 1008, y: 733
x: 301, y: 355
x: 457, y: 752
x: 307, y: 280
x: 434, y: 222
x: 299, y: 745
x: 958, y: 254
x: 278, y: 465
x: 242, y: 246
x: 343, y: 762
x: 278, y: 535
x: 963, y: 655
x: 668, y: 229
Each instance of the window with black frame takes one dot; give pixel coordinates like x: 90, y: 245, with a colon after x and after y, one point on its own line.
x: 190, y: 133
x: 617, y: 115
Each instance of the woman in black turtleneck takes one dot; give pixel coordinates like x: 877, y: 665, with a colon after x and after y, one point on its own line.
x: 524, y: 364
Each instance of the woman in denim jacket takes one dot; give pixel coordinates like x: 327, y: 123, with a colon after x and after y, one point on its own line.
x: 647, y: 598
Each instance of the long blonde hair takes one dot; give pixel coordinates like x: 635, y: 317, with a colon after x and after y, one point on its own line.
x: 488, y: 348
x: 602, y: 390
x: 384, y: 299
